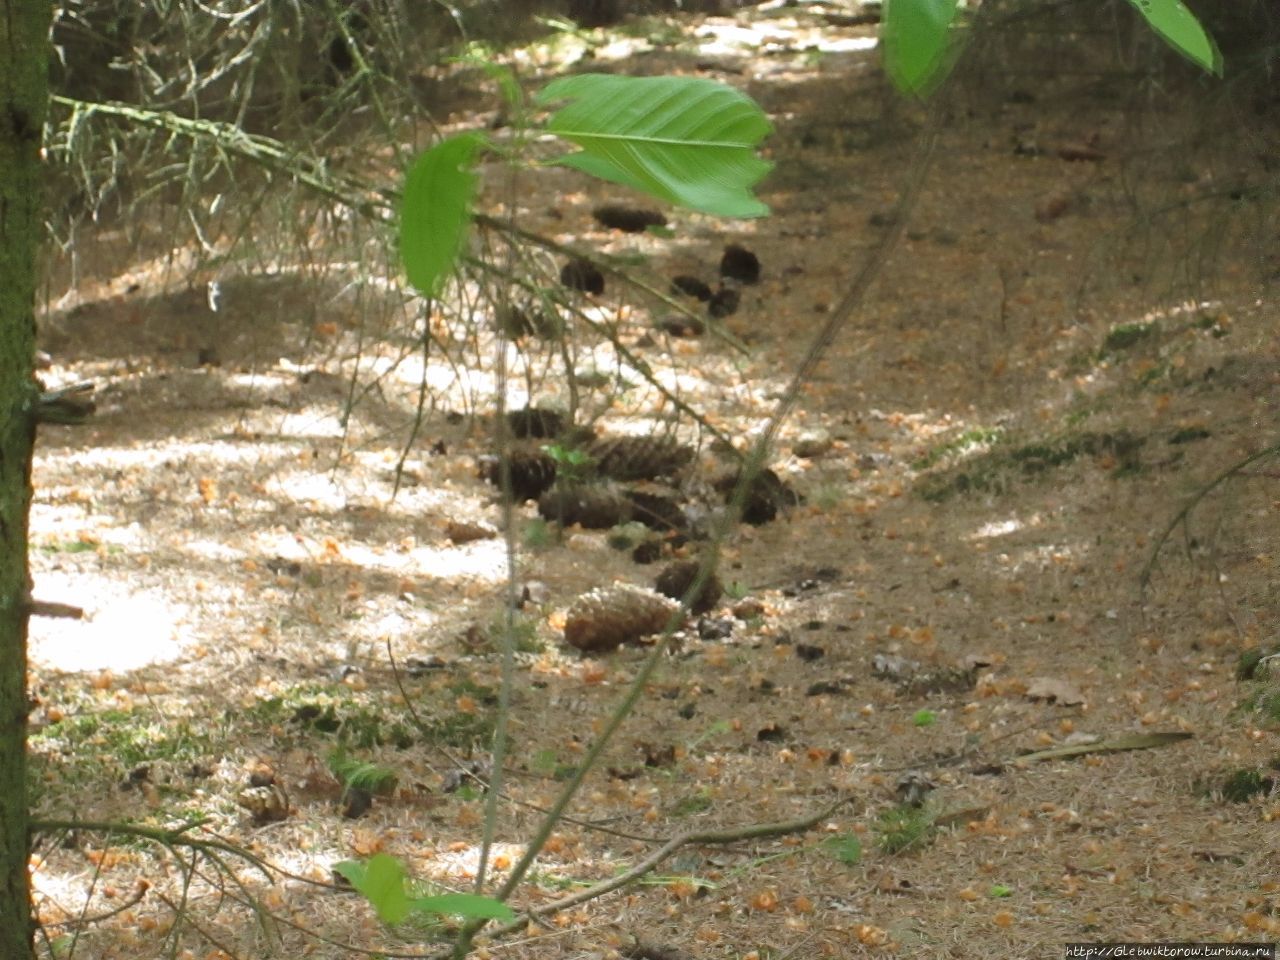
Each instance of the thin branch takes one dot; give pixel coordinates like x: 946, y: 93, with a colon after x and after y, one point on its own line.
x: 758, y: 831
x: 139, y: 892
x: 1182, y: 515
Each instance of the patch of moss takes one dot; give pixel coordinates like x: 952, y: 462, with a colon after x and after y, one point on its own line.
x: 1189, y: 435
x: 334, y: 710
x: 1083, y: 410
x: 1123, y: 336
x: 988, y: 472
x: 124, y: 737
x: 1247, y: 664
x: 695, y: 803
x: 965, y: 442
x: 1241, y: 785
x: 1156, y: 374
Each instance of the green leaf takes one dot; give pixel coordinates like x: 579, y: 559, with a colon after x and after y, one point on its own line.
x: 381, y: 880
x: 1000, y: 890
x: 1182, y: 31
x: 915, y: 40
x: 435, y: 210
x: 468, y: 905
x: 682, y: 139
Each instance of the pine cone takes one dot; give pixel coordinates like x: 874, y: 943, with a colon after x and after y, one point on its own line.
x: 639, y: 458
x: 595, y: 506
x: 536, y: 422
x: 677, y: 577
x: 766, y: 495
x: 657, y: 506
x: 600, y: 621
x: 533, y: 472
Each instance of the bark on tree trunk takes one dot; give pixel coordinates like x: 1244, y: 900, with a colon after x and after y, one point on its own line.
x: 24, y: 41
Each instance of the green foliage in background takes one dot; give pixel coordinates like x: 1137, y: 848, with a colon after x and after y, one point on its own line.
x: 918, y: 39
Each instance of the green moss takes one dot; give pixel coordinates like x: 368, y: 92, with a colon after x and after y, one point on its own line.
x: 124, y: 738
x: 962, y: 444
x: 694, y: 803
x: 1189, y: 435
x: 1125, y: 335
x: 1157, y: 374
x: 991, y: 472
x: 1247, y: 664
x: 1241, y: 785
x: 537, y: 534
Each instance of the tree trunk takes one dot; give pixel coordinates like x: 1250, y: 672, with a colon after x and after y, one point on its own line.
x: 24, y: 70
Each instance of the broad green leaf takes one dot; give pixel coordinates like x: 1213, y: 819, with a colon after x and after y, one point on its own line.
x: 682, y: 139
x: 435, y: 210
x: 381, y: 880
x: 916, y: 42
x: 468, y: 905
x: 1182, y: 31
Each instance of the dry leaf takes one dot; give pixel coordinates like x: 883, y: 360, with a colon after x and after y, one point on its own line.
x: 1055, y: 691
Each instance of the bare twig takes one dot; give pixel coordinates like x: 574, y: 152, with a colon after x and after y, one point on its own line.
x: 756, y: 831
x: 135, y: 898
x: 1182, y: 515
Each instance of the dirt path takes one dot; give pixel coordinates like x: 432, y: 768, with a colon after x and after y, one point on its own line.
x: 1015, y: 416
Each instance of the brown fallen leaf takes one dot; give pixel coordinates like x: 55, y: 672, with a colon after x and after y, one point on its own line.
x: 1055, y: 691
x: 1078, y: 152
x: 1053, y: 207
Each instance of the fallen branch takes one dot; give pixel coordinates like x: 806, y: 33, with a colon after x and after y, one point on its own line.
x: 757, y: 831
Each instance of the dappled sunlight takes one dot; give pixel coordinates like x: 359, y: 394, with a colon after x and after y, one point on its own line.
x: 124, y: 629
x: 485, y: 561
x: 307, y: 611
x: 461, y: 861
x: 720, y: 36
x: 996, y: 528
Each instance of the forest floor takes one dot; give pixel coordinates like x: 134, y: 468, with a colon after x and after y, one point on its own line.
x: 1070, y: 341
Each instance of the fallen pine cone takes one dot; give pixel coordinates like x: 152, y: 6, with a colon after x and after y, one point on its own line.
x: 639, y: 457
x: 607, y: 617
x: 627, y: 219
x: 594, y: 506
x: 677, y: 577
x: 582, y: 274
x: 533, y: 471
